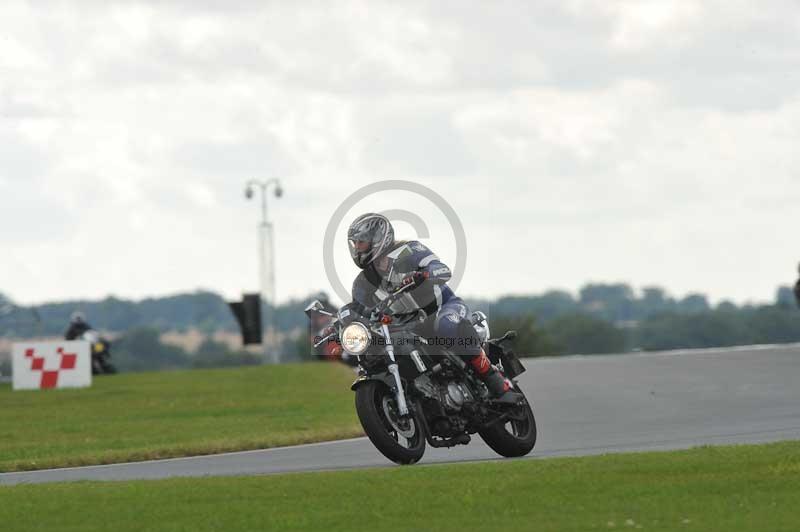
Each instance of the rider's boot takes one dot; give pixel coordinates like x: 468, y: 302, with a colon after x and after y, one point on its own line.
x: 497, y: 384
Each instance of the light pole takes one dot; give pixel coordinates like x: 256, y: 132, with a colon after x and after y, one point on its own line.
x: 266, y: 256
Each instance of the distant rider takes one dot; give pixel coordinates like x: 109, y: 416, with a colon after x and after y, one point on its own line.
x: 387, y: 265
x: 77, y: 326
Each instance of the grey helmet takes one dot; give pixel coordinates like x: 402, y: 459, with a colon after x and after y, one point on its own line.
x: 376, y: 230
x: 77, y: 317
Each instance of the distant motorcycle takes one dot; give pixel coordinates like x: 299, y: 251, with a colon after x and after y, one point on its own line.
x: 101, y: 352
x: 409, y: 392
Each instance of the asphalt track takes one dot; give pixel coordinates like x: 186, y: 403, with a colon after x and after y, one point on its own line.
x: 583, y: 405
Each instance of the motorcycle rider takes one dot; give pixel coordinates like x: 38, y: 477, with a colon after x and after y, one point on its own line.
x: 387, y: 265
x: 77, y: 326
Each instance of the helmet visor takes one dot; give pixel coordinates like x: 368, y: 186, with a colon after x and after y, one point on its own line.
x: 361, y: 251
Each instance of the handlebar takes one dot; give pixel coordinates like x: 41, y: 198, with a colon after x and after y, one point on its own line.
x: 381, y: 307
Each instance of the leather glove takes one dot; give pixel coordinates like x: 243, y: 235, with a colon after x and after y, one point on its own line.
x: 416, y: 278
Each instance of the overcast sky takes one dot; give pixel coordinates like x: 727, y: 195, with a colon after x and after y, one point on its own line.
x: 655, y: 143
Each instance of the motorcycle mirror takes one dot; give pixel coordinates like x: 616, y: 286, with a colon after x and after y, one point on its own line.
x: 248, y: 192
x: 316, y: 307
x: 510, y: 335
x: 278, y: 192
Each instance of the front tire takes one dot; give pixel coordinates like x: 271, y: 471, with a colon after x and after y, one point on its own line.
x: 401, y: 440
x: 516, y: 437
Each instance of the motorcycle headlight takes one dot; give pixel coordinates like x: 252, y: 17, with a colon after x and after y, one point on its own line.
x: 355, y: 338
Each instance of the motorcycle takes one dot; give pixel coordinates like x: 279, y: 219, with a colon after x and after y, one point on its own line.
x: 410, y: 391
x: 101, y: 352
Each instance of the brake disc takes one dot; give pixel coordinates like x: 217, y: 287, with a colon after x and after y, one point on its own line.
x: 405, y: 427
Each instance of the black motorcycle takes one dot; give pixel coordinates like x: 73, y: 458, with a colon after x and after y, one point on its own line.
x: 409, y: 390
x: 101, y: 352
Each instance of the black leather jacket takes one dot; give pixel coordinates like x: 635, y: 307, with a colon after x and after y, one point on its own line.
x: 76, y: 330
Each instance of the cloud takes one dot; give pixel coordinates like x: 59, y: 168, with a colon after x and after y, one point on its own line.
x: 244, y: 159
x: 635, y: 141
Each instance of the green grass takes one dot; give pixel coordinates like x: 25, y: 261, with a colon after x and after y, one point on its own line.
x: 142, y: 416
x: 736, y: 488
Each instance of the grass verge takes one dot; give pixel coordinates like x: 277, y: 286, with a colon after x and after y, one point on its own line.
x: 143, y: 416
x: 734, y: 488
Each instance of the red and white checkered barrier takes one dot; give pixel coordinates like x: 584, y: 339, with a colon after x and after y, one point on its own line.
x: 51, y: 365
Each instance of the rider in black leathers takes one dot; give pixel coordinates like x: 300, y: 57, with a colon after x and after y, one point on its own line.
x: 77, y: 326
x: 387, y: 264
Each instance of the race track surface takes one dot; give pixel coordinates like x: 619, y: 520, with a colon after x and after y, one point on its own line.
x: 583, y: 405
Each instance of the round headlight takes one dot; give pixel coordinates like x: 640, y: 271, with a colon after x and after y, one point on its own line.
x: 355, y: 338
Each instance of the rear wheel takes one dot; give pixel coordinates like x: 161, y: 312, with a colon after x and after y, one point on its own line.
x: 514, y: 437
x: 401, y: 440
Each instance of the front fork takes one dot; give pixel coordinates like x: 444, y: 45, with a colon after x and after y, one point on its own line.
x: 402, y: 407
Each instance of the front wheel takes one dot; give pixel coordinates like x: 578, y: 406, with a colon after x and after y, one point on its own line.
x: 401, y: 440
x: 514, y: 437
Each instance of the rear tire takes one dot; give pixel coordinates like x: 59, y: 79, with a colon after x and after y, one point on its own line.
x: 515, y: 437
x: 401, y: 440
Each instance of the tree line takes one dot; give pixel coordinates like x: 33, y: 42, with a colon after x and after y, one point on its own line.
x: 582, y: 333
x: 600, y: 318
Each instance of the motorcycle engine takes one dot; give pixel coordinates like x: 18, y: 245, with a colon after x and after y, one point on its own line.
x: 455, y: 396
x: 451, y: 395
